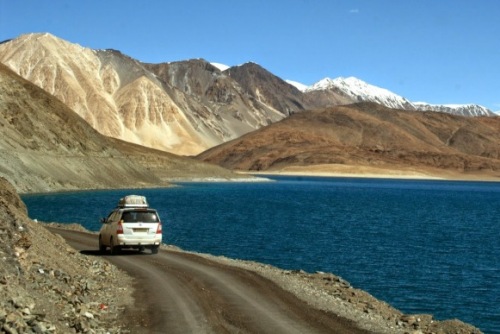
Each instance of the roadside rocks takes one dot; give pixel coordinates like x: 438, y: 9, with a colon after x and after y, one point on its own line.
x: 44, y: 299
x: 48, y: 287
x: 333, y: 294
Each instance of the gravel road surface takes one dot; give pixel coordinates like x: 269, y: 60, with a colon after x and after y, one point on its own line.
x: 178, y: 292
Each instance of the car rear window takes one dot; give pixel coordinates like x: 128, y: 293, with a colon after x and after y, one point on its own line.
x: 140, y: 216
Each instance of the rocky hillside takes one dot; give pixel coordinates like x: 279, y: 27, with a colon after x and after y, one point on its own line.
x: 368, y: 135
x: 215, y: 103
x: 263, y: 86
x: 112, y: 92
x: 48, y: 287
x: 45, y: 146
x: 183, y: 107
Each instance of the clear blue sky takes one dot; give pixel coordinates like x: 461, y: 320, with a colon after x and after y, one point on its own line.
x: 437, y: 51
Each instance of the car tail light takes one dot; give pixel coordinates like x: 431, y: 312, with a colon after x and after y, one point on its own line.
x: 158, y: 229
x: 119, y: 228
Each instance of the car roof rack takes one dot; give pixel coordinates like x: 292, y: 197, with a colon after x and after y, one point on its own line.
x: 133, y: 201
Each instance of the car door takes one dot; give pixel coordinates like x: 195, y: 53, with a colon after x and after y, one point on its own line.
x: 107, y: 229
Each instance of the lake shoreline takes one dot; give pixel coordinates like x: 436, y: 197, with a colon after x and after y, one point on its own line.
x: 367, y: 172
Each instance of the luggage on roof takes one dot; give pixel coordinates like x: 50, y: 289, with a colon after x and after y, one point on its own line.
x: 133, y: 201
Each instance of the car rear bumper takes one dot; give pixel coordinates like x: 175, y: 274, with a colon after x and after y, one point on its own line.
x: 131, y: 241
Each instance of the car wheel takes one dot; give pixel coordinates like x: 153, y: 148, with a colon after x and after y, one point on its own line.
x: 113, y: 249
x: 102, y: 247
x: 154, y: 250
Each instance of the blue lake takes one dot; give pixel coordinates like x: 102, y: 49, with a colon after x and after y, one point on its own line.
x: 422, y: 246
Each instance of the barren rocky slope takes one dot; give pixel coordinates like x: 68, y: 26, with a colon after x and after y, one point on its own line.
x: 48, y: 287
x: 45, y: 146
x: 184, y: 107
x: 112, y: 92
x: 371, y: 138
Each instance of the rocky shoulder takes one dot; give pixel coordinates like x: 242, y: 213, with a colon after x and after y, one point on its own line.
x: 48, y: 287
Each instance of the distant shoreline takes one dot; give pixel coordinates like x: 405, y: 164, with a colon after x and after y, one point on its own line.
x: 373, y: 173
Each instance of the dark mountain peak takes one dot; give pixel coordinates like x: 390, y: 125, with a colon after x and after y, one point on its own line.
x: 250, y: 68
x: 115, y: 52
x: 268, y: 88
x: 193, y: 76
x: 194, y: 64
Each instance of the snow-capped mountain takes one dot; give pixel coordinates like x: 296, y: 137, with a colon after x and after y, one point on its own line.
x: 360, y: 91
x: 456, y: 109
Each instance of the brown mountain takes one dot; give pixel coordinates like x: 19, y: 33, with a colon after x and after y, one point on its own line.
x: 261, y: 85
x: 183, y: 107
x: 215, y: 103
x: 368, y: 138
x: 46, y: 146
x: 112, y: 92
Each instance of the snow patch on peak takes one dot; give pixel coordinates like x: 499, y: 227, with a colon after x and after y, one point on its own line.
x: 298, y: 85
x: 353, y: 86
x: 38, y: 35
x: 456, y: 109
x: 456, y: 106
x: 323, y: 84
x: 221, y: 67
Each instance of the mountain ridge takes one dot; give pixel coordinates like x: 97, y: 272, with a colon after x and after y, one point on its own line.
x: 45, y: 146
x: 91, y: 82
x: 182, y: 107
x: 360, y: 91
x: 368, y: 136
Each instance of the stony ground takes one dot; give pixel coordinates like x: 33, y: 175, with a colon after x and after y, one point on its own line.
x: 47, y: 287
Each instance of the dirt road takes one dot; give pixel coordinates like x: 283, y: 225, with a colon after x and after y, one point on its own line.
x: 178, y: 292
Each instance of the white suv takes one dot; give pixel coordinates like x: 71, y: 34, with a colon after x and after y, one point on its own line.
x: 131, y: 225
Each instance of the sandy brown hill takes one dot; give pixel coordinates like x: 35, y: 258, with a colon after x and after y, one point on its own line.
x: 182, y: 107
x: 366, y: 137
x: 45, y: 146
x: 111, y: 91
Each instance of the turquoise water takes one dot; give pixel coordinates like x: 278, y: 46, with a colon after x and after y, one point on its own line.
x: 422, y: 246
